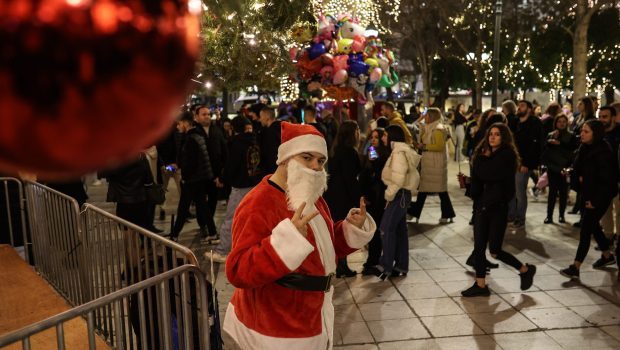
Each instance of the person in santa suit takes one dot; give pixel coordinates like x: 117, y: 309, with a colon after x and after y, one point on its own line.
x: 284, y: 251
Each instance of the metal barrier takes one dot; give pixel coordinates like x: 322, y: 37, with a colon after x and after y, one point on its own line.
x: 142, y: 330
x: 13, y: 215
x: 56, y: 240
x: 121, y: 254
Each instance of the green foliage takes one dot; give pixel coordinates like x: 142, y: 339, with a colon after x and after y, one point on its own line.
x: 245, y: 41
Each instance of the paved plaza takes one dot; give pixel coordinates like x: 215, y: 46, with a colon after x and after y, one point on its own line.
x: 425, y: 310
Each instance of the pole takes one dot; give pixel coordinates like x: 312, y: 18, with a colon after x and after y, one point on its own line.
x: 498, y: 34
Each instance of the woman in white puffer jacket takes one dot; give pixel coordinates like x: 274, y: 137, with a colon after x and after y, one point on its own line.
x: 401, y: 177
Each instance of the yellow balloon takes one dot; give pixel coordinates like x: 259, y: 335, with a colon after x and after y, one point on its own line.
x: 344, y: 45
x: 372, y: 62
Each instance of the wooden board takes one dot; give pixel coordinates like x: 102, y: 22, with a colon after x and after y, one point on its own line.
x: 26, y: 298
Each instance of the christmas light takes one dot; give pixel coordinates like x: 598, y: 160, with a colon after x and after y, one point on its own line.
x: 365, y: 11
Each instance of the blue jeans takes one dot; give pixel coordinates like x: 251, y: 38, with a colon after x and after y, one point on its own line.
x: 518, y: 206
x: 394, y: 234
x: 236, y: 195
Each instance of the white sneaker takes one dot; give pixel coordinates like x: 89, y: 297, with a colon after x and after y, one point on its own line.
x: 217, y: 257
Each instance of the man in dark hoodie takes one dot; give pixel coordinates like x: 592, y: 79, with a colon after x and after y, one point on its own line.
x: 242, y: 173
x: 528, y: 134
x: 196, y: 172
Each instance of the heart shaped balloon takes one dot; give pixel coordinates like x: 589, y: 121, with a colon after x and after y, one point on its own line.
x: 88, y: 84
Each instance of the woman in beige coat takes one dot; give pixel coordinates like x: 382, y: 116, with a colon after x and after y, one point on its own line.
x: 434, y: 166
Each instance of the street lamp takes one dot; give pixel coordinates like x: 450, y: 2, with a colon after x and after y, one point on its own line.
x: 498, y: 28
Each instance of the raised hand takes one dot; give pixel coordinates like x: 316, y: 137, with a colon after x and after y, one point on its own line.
x: 357, y: 216
x: 301, y: 222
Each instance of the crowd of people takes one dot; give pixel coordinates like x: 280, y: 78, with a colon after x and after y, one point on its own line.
x: 339, y: 189
x: 397, y: 159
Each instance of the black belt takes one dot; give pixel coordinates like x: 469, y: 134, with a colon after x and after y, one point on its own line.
x: 306, y: 282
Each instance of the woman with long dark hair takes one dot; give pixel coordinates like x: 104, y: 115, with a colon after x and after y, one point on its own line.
x: 343, y: 189
x: 373, y: 190
x: 598, y: 181
x: 459, y: 130
x: 401, y: 177
x: 495, y: 163
x: 585, y: 107
x: 557, y: 157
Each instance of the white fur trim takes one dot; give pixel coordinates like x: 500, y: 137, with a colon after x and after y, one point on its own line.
x: 291, y: 246
x: 355, y: 237
x: 249, y: 339
x: 300, y: 144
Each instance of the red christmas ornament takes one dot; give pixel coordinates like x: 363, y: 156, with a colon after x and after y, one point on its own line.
x: 87, y: 84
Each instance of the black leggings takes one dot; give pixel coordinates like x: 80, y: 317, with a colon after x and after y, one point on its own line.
x: 590, y: 226
x: 489, y: 228
x: 557, y: 184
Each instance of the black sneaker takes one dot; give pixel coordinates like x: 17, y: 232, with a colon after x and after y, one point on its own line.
x: 371, y: 271
x: 548, y: 220
x: 562, y: 220
x: 527, y: 278
x: 396, y: 273
x: 603, y: 261
x: 476, y: 291
x: 571, y: 272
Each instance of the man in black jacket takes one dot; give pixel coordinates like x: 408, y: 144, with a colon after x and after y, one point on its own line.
x: 269, y: 140
x: 196, y: 170
x: 242, y: 173
x: 528, y: 134
x: 216, y: 146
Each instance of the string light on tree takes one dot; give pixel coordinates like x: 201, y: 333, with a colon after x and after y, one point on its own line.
x: 366, y: 11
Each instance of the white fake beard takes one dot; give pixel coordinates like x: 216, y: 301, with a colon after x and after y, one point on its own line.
x: 304, y: 185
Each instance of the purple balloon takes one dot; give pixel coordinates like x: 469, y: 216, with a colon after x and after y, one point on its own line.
x: 316, y: 50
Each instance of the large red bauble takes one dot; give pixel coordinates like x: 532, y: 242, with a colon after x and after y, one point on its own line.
x: 87, y: 84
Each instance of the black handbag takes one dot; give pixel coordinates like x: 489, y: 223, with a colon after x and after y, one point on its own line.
x: 155, y: 193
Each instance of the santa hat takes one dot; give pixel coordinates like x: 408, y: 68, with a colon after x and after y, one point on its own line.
x: 298, y: 139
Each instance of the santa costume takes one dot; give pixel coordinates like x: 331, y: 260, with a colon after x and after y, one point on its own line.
x: 267, y: 247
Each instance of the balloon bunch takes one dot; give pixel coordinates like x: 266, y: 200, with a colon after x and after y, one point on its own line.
x: 341, y: 60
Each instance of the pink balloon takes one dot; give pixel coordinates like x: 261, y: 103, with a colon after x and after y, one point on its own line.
x: 359, y: 43
x: 340, y: 77
x: 375, y: 75
x: 340, y: 62
x: 293, y: 53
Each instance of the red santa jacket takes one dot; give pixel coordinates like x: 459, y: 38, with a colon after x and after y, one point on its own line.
x: 266, y: 246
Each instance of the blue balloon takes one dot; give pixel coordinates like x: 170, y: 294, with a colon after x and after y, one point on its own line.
x: 357, y: 68
x: 316, y: 50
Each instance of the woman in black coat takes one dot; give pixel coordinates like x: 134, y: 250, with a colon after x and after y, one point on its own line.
x: 126, y: 188
x: 495, y: 162
x: 556, y: 157
x: 598, y: 180
x: 343, y: 189
x: 373, y: 190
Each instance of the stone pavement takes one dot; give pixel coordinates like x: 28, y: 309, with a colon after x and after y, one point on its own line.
x: 425, y: 311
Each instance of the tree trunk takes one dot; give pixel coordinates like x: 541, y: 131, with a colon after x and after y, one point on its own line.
x: 426, y: 85
x: 609, y: 94
x: 225, y: 98
x: 478, y: 85
x: 580, y: 52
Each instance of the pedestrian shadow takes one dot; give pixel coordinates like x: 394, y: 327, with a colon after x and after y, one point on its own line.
x: 519, y: 240
x: 492, y: 317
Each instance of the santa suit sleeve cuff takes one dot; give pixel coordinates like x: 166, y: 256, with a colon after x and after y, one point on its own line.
x: 357, y: 237
x: 290, y: 245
